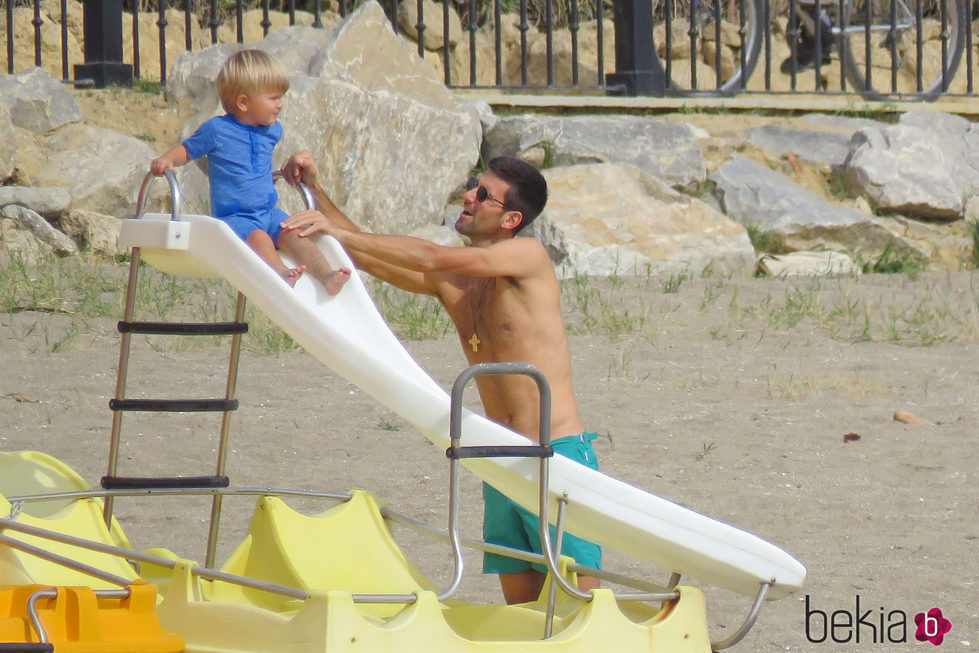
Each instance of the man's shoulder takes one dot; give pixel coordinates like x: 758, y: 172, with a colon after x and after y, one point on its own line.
x: 529, y: 250
x: 527, y: 245
x: 533, y: 263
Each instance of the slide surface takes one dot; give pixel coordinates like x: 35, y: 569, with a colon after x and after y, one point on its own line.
x: 348, y: 335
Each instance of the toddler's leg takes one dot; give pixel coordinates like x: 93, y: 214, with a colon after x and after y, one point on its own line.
x: 262, y: 243
x: 304, y: 251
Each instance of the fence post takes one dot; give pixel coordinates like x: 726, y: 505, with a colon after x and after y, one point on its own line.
x: 637, y: 68
x: 103, y: 45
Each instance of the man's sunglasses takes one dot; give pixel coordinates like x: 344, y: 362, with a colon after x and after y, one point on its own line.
x: 481, y: 193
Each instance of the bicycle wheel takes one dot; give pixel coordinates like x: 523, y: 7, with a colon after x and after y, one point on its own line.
x: 687, y: 36
x: 893, y: 49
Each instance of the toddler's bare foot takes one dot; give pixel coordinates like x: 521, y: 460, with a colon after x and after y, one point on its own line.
x: 291, y: 275
x: 336, y: 279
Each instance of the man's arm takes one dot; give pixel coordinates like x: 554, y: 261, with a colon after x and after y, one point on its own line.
x: 300, y: 167
x: 393, y: 256
x: 516, y: 257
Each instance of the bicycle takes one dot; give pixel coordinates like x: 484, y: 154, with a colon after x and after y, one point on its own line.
x: 875, y: 40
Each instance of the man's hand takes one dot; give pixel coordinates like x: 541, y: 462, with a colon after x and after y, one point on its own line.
x: 300, y: 167
x: 310, y: 222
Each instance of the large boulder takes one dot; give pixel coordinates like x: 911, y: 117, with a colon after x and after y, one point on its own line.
x: 666, y: 150
x: 94, y: 231
x: 49, y: 201
x: 27, y: 220
x: 390, y: 140
x: 925, y: 168
x: 796, y: 219
x: 101, y: 169
x: 820, y: 147
x: 8, y: 143
x: 606, y: 219
x: 17, y: 243
x: 37, y: 101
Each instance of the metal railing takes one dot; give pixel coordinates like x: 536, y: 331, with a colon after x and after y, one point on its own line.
x: 661, y: 47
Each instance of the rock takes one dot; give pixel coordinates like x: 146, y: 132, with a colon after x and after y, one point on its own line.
x: 99, y: 233
x: 842, y: 124
x: 663, y: 149
x: 809, y: 264
x: 390, y: 140
x: 307, y: 61
x: 50, y: 201
x: 101, y: 169
x: 614, y: 218
x: 8, y: 143
x: 947, y: 123
x: 37, y: 101
x: 20, y: 244
x: 811, y: 146
x: 971, y: 211
x: 923, y: 172
x: 192, y: 80
x: 795, y: 219
x: 32, y: 221
x: 940, y: 246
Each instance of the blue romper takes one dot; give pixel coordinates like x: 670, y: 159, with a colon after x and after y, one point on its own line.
x: 239, y: 167
x: 508, y: 524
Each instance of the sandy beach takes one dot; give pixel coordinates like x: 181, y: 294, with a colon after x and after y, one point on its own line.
x: 765, y: 403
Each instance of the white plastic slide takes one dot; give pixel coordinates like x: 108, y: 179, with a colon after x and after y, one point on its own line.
x: 348, y: 335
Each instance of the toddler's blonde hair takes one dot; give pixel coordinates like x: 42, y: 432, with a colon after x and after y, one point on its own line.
x: 249, y: 72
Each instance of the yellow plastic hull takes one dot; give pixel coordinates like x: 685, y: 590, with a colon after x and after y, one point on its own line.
x: 341, y: 552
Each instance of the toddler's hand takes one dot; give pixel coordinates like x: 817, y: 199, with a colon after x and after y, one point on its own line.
x: 159, y: 166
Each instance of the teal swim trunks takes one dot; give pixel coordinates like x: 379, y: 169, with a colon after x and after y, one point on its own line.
x: 508, y: 524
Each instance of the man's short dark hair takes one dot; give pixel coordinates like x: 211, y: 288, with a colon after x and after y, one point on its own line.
x: 528, y: 188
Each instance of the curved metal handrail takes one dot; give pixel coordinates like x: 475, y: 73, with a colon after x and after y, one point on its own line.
x: 176, y: 195
x: 307, y: 194
x: 455, y: 435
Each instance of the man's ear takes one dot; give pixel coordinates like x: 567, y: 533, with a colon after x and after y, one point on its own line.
x: 512, y: 219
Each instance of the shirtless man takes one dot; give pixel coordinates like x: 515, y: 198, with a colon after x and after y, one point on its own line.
x: 504, y: 298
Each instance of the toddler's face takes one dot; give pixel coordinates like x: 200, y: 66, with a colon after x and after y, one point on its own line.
x: 260, y: 109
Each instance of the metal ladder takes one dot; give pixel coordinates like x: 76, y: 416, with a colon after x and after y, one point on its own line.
x: 121, y: 404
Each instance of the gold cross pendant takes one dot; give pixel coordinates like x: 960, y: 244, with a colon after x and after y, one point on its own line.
x: 474, y: 341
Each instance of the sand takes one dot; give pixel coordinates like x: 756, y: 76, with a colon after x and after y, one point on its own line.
x: 767, y: 404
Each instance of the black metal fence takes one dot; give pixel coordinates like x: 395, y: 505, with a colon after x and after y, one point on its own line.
x: 878, y: 48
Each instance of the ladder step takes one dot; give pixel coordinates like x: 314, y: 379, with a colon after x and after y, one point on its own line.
x: 184, y: 328
x: 174, y: 405
x: 502, y: 451
x: 163, y: 483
